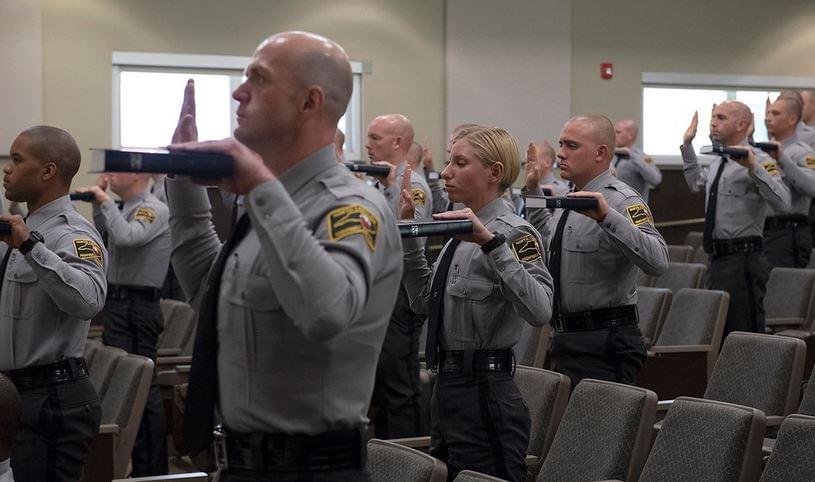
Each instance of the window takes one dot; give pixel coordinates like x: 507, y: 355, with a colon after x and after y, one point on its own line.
x: 669, y: 100
x: 148, y: 90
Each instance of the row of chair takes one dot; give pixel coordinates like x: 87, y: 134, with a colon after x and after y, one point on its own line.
x: 122, y: 381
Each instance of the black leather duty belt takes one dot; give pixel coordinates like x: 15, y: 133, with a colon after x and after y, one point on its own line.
x: 268, y: 454
x: 598, y: 319
x: 126, y: 292
x: 724, y: 247
x: 786, y: 221
x: 67, y: 370
x: 479, y: 361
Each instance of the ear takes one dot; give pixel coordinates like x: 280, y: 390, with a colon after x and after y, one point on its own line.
x: 49, y: 171
x: 315, y: 97
x: 496, y: 172
x: 602, y: 152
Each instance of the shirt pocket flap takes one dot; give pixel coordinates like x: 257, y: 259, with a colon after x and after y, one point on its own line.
x: 22, y: 275
x: 471, y: 289
x: 735, y: 189
x: 250, y: 291
x: 582, y: 244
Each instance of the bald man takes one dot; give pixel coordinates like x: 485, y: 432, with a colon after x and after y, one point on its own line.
x: 805, y: 132
x: 787, y: 237
x: 395, y: 401
x: 539, y: 172
x: 739, y: 192
x: 415, y: 156
x: 595, y: 257
x: 630, y: 164
x: 295, y: 305
x: 53, y: 283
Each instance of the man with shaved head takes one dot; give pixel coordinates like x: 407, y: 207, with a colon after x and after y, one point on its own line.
x: 295, y: 305
x: 805, y: 132
x: 540, y: 159
x: 787, y: 237
x: 594, y: 257
x: 396, y: 395
x: 739, y: 191
x: 630, y: 164
x: 52, y: 282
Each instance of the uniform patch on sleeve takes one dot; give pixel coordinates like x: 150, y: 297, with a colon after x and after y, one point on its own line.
x: 526, y: 248
x: 418, y: 197
x: 354, y: 219
x: 88, y: 249
x: 145, y: 214
x: 810, y: 162
x: 649, y: 160
x: 771, y: 167
x: 639, y: 214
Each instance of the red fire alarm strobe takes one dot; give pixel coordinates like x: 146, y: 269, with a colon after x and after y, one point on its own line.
x: 606, y: 70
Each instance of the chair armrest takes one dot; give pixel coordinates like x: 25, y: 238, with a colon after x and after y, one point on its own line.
x: 168, y: 352
x: 774, y: 420
x: 658, y: 349
x: 413, y: 442
x: 108, y: 428
x: 664, y: 405
x: 170, y: 378
x: 190, y: 477
x: 171, y: 361
x: 532, y: 460
x: 183, y: 368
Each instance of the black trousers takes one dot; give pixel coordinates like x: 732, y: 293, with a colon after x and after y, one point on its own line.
x: 397, y: 388
x: 788, y: 247
x: 613, y: 354
x: 744, y: 276
x: 57, y: 425
x: 480, y: 422
x: 134, y: 326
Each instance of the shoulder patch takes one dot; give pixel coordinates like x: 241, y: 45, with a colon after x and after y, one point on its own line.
x: 649, y: 160
x: 145, y: 214
x: 418, y: 196
x: 639, y: 214
x: 88, y: 249
x: 526, y: 248
x: 771, y: 167
x: 810, y: 160
x: 345, y: 221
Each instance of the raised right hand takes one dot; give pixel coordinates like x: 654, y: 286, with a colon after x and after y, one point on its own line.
x: 691, y: 132
x: 187, y: 130
x: 532, y: 175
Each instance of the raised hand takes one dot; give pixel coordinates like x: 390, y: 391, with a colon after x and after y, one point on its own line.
x: 691, y: 132
x: 407, y: 210
x: 533, y: 170
x: 427, y: 159
x: 187, y: 130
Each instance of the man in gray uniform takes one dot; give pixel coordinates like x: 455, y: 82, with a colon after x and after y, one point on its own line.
x: 630, y: 164
x: 594, y: 260
x: 540, y: 158
x: 805, y: 131
x: 397, y: 390
x: 738, y: 190
x: 138, y: 237
x: 53, y: 282
x: 787, y: 237
x: 295, y: 305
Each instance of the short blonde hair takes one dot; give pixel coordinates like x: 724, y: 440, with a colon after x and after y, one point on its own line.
x: 493, y: 145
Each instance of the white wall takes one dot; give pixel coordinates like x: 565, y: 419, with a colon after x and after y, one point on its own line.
x: 21, y: 58
x: 508, y: 64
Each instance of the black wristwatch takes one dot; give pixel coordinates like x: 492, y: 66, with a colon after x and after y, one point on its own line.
x: 33, y: 238
x: 493, y: 243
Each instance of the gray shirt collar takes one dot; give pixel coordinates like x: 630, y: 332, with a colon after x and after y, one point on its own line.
x: 299, y: 174
x: 48, y: 211
x: 599, y: 181
x: 790, y: 140
x: 492, y: 210
x: 138, y: 198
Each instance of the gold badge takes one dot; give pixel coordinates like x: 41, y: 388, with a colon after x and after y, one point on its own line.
x: 526, y: 248
x: 354, y: 219
x: 639, y: 214
x: 771, y: 167
x: 88, y: 249
x: 649, y: 160
x: 418, y: 197
x: 810, y: 162
x: 145, y: 214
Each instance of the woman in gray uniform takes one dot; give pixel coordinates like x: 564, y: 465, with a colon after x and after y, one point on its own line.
x: 478, y: 296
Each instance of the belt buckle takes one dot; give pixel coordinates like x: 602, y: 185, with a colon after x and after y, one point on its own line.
x: 559, y: 324
x: 219, y: 447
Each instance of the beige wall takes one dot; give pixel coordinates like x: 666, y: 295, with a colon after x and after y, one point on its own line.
x: 734, y: 37
x: 403, y: 40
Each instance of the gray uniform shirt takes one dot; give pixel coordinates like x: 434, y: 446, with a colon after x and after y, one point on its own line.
x: 806, y: 134
x: 158, y: 189
x: 599, y: 261
x: 305, y: 298
x: 743, y: 196
x: 797, y: 165
x: 560, y: 187
x: 138, y: 240
x: 49, y: 295
x: 422, y: 197
x: 638, y: 171
x: 487, y: 296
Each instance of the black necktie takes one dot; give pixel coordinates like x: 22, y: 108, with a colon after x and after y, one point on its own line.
x: 710, y: 213
x: 203, y: 387
x: 555, y: 251
x: 434, y: 317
